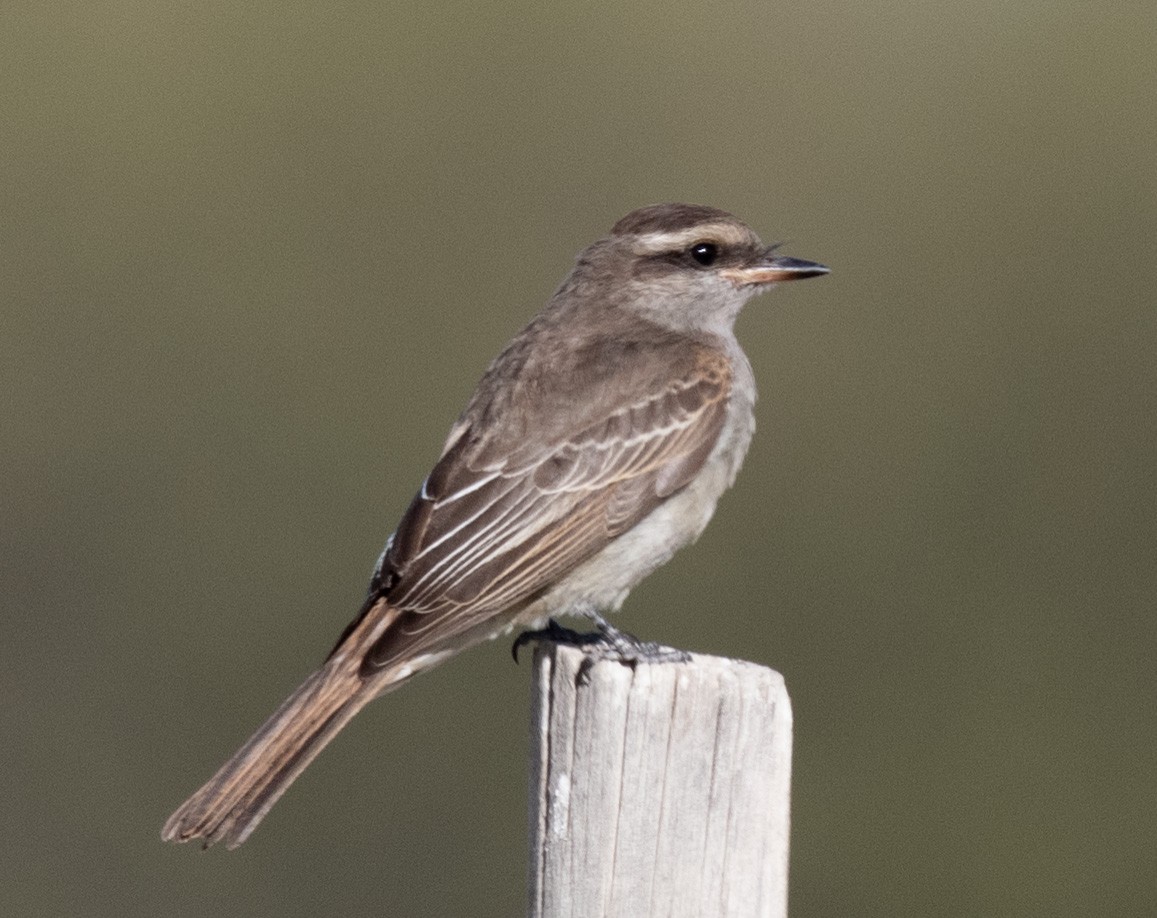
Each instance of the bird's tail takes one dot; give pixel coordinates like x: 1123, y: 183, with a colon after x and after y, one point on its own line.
x: 231, y: 804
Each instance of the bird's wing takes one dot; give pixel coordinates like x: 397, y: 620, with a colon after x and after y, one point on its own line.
x: 483, y: 536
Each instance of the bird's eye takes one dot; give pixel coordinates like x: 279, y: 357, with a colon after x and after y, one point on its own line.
x: 705, y: 253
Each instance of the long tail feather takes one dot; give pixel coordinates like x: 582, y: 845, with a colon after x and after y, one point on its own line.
x: 231, y: 803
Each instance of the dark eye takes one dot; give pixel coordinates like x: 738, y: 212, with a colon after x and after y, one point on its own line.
x: 705, y: 253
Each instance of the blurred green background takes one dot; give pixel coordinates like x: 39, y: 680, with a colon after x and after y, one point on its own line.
x: 253, y: 258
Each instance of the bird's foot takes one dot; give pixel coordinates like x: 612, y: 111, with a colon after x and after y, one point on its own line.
x: 626, y: 648
x: 606, y: 642
x: 557, y: 633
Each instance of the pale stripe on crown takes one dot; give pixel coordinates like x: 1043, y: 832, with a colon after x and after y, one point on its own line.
x: 672, y: 240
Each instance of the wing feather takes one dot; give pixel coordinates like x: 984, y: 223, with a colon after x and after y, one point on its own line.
x: 485, y: 536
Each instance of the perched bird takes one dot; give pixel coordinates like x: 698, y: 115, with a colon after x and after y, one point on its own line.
x: 595, y: 446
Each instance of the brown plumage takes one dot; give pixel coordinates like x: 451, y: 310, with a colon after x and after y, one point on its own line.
x: 595, y: 445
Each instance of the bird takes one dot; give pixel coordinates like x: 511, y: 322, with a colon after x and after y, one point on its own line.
x: 594, y: 447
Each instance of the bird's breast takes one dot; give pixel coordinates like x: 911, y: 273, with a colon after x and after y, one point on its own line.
x: 603, y: 581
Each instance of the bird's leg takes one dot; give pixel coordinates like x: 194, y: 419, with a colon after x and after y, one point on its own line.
x: 606, y: 642
x: 627, y: 648
x: 557, y: 633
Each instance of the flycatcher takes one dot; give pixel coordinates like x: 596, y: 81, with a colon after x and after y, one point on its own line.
x: 595, y: 446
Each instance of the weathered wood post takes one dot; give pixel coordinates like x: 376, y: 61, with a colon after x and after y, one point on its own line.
x: 658, y: 790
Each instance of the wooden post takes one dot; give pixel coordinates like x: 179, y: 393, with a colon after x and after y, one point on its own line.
x: 658, y: 790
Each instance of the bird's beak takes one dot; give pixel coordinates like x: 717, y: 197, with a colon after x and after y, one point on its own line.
x: 774, y: 269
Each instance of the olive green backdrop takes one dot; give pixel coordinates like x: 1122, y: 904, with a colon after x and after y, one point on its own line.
x: 253, y: 258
